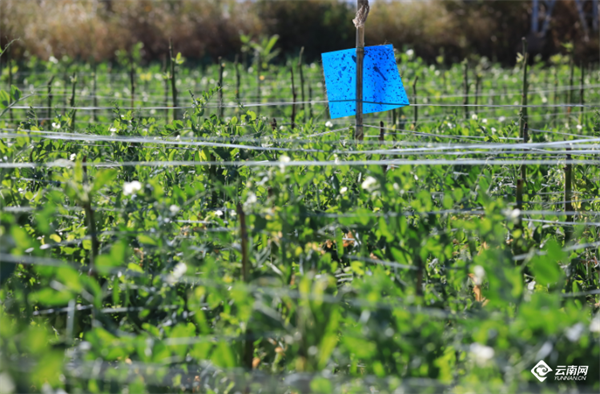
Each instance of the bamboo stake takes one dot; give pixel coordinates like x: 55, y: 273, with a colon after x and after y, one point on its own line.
x: 415, y: 108
x: 381, y: 131
x: 310, y: 95
x: 237, y: 80
x: 523, y: 117
x: 248, y: 345
x: 258, y: 66
x: 173, y: 82
x: 94, y: 87
x: 466, y: 88
x: 221, y: 68
x: 555, y: 110
x: 72, y: 101
x: 132, y: 80
x: 570, y: 93
x: 362, y: 11
x: 581, y: 93
x: 166, y: 85
x: 568, y: 197
x: 50, y: 97
x: 325, y: 93
x: 477, y: 84
x: 10, y: 82
x: 293, y: 98
x: 302, y: 84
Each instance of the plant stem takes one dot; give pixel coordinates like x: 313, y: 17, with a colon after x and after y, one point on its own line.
x: 360, y: 55
x: 248, y: 353
x: 166, y: 82
x: 258, y: 66
x: 523, y: 117
x: 570, y: 94
x: 581, y: 95
x: 568, y: 197
x: 237, y: 80
x: 477, y: 84
x: 10, y: 82
x: 94, y: 87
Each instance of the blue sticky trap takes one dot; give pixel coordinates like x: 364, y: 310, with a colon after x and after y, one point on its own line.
x: 382, y: 85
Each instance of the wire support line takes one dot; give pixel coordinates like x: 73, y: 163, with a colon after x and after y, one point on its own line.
x: 63, y: 163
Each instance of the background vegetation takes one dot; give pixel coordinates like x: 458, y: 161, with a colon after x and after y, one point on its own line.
x: 211, y: 28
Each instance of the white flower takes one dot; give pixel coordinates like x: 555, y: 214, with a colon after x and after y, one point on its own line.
x: 483, y: 120
x: 501, y: 119
x: 343, y: 190
x: 579, y: 127
x: 481, y: 353
x: 493, y: 130
x: 328, y: 124
x: 113, y: 130
x: 514, y: 214
x: 474, y: 116
x: 219, y: 213
x: 283, y: 159
x: 55, y: 125
x: 131, y: 187
x: 479, y: 274
x: 53, y: 60
x: 251, y: 198
x: 369, y: 182
x: 573, y: 333
x: 73, y: 156
x: 174, y: 209
x: 179, y: 270
x: 410, y: 53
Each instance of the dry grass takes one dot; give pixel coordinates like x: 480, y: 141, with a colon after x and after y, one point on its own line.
x: 201, y: 28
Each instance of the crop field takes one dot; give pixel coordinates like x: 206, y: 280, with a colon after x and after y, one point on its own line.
x: 208, y: 228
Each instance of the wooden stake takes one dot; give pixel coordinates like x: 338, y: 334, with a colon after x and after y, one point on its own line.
x: 237, y: 80
x: 523, y: 117
x: 173, y: 82
x: 362, y: 11
x: 94, y: 87
x: 258, y: 66
x: 221, y: 68
x: 555, y: 111
x: 466, y: 88
x: 132, y: 81
x: 50, y: 97
x: 293, y: 98
x: 166, y: 82
x: 568, y: 197
x: 415, y: 108
x: 325, y: 93
x: 248, y: 353
x: 310, y: 95
x: 581, y: 93
x: 303, y: 106
x: 477, y: 84
x: 10, y: 82
x: 570, y: 93
x: 72, y: 101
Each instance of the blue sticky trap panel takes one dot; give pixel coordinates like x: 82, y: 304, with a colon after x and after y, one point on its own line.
x: 381, y: 81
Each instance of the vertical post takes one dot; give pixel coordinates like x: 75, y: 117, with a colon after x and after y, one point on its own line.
x: 477, y: 84
x: 237, y: 80
x: 221, y: 68
x: 310, y: 95
x: 523, y: 117
x: 581, y: 93
x: 293, y: 98
x: 132, y: 80
x: 50, y: 97
x: 381, y: 139
x: 72, y: 101
x: 555, y: 111
x: 568, y: 197
x: 10, y: 82
x: 466, y: 88
x: 173, y: 82
x: 415, y: 108
x: 258, y: 66
x: 570, y: 93
x: 94, y: 87
x: 303, y: 98
x: 325, y: 93
x: 166, y: 85
x: 248, y: 352
x: 362, y: 11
